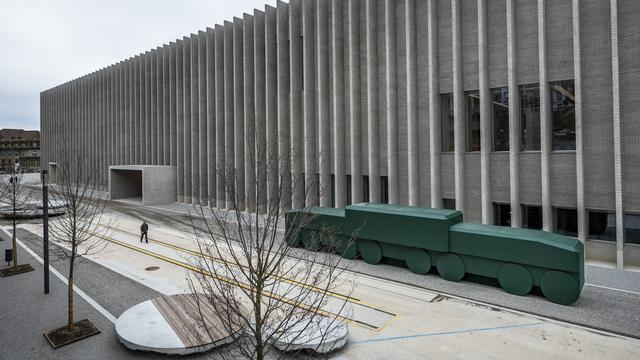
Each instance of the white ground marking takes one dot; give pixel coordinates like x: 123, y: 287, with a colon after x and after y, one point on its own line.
x: 78, y: 291
x: 614, y: 289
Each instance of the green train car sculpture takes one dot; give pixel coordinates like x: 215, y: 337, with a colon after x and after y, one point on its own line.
x: 424, y: 238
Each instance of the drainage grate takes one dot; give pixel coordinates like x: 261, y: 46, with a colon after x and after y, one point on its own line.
x: 152, y: 268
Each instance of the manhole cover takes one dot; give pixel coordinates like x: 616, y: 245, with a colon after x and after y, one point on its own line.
x: 152, y: 268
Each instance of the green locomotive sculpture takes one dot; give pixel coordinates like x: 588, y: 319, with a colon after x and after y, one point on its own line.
x: 424, y: 238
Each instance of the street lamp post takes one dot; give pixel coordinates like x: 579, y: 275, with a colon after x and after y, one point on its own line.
x: 45, y: 228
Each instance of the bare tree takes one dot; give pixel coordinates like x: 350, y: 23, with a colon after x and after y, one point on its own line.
x: 14, y: 196
x: 244, y: 262
x: 77, y: 232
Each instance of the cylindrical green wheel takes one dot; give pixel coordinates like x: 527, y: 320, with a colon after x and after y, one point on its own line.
x: 560, y: 287
x: 370, y: 251
x: 418, y: 260
x: 347, y: 248
x: 515, y: 279
x: 451, y: 267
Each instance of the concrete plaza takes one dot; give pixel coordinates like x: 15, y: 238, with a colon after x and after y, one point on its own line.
x: 401, y: 314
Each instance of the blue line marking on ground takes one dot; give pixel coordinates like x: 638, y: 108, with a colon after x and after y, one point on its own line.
x: 445, y: 333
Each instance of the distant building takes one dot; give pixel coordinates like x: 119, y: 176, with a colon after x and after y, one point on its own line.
x: 20, y: 146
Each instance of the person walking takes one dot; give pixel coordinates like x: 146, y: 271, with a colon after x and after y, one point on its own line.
x: 143, y: 232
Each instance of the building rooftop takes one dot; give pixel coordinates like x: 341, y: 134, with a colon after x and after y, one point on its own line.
x: 19, y: 134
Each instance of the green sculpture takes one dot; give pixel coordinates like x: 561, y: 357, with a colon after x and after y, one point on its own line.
x: 425, y: 238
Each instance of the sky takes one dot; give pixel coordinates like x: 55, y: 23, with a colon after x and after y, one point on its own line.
x: 49, y: 42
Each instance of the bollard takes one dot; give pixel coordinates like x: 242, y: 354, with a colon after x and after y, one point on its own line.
x: 8, y: 256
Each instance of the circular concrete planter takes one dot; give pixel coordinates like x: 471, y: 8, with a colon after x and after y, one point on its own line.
x: 173, y: 325
x: 319, y: 334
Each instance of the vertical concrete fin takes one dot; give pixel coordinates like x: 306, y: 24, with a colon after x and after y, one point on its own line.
x: 189, y: 103
x: 195, y: 120
x: 166, y: 98
x: 322, y: 96
x: 459, y: 133
x: 228, y: 105
x: 485, y: 114
x: 373, y: 144
x: 211, y: 75
x: 577, y: 71
x: 172, y: 104
x: 271, y: 102
x: 514, y: 117
x: 412, y: 103
x: 180, y: 115
x: 248, y: 33
x: 220, y: 117
x: 203, y: 187
x: 435, y: 134
x: 545, y: 120
x: 617, y: 135
x: 260, y: 106
x: 283, y: 83
x: 353, y: 36
x: 337, y: 94
x: 296, y: 114
x: 238, y: 111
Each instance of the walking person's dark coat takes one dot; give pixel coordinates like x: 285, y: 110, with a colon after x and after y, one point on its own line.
x: 143, y: 232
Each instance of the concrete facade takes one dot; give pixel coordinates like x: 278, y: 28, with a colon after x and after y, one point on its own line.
x: 352, y: 93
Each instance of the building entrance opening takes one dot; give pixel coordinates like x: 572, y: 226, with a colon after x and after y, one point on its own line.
x: 143, y: 184
x: 126, y: 185
x: 53, y: 173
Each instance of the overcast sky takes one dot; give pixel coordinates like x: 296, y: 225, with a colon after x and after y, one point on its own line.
x: 48, y: 42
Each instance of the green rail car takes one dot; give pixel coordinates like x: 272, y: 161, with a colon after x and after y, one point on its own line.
x: 423, y: 238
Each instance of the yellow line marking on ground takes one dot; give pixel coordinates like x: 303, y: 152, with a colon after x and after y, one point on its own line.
x: 294, y: 282
x: 232, y: 282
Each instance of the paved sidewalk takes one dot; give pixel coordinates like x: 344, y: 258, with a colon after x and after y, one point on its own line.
x: 26, y: 313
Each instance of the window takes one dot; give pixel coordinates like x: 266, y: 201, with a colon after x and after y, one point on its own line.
x: 530, y: 116
x: 563, y: 115
x: 384, y: 189
x: 500, y: 111
x: 602, y: 225
x: 365, y: 188
x: 446, y: 113
x: 566, y: 222
x: 502, y: 214
x: 531, y: 217
x: 449, y: 204
x: 472, y: 106
x: 632, y: 228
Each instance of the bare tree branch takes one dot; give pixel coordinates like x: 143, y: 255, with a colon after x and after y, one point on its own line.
x: 15, y: 198
x: 78, y: 232
x: 243, y: 262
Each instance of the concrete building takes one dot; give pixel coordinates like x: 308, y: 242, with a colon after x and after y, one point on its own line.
x: 518, y: 112
x: 22, y: 147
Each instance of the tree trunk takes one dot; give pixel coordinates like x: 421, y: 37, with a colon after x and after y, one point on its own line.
x: 70, y: 295
x: 258, y: 318
x: 14, y: 243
